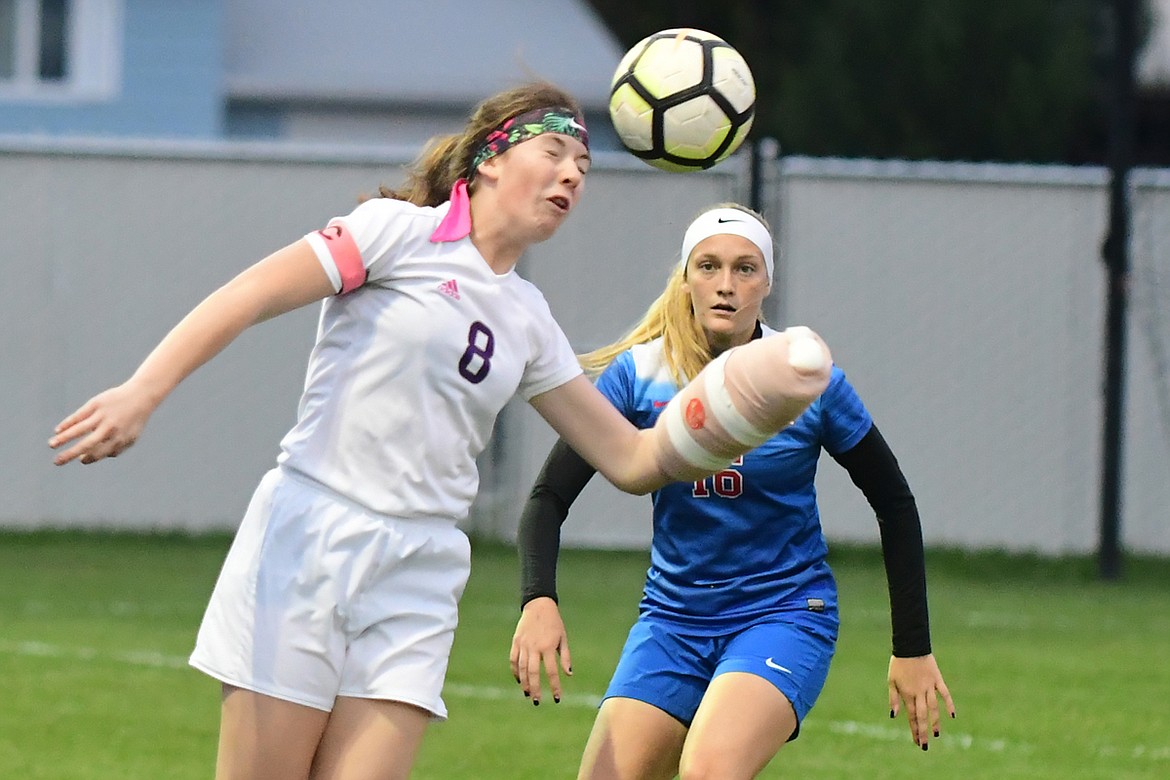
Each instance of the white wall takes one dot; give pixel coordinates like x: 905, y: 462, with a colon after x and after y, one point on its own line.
x: 965, y: 303
x: 103, y: 254
x: 967, y: 315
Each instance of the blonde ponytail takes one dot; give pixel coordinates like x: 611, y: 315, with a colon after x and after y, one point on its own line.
x: 671, y: 317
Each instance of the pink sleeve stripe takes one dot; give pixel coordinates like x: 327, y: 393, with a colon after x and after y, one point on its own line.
x: 346, y: 256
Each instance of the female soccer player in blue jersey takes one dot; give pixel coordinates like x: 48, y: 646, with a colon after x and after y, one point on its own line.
x: 738, y: 620
x: 331, y: 624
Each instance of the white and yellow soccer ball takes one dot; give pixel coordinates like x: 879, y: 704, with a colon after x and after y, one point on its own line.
x: 682, y: 99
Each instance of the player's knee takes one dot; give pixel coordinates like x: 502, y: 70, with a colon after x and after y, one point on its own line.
x: 706, y: 765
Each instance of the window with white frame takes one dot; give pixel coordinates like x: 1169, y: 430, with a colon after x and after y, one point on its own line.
x: 60, y: 50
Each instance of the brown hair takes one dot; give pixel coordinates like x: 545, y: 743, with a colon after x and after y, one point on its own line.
x: 446, y: 159
x: 671, y: 317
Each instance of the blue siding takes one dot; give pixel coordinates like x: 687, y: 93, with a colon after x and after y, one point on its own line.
x: 264, y: 122
x: 172, y: 80
x: 206, y: 70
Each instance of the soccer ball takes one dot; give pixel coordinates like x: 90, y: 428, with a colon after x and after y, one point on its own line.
x: 682, y: 100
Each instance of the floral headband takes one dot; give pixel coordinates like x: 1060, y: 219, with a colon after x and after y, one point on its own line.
x: 530, y: 124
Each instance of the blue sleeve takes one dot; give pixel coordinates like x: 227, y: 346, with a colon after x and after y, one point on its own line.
x: 844, y: 418
x: 617, y: 384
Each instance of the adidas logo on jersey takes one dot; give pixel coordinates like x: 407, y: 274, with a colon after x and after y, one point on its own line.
x: 450, y: 288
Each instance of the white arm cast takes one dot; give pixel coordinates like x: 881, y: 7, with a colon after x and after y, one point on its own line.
x: 740, y: 400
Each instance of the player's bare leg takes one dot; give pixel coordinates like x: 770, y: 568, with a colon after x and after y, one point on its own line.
x: 632, y: 740
x: 742, y: 722
x: 370, y: 739
x: 264, y: 738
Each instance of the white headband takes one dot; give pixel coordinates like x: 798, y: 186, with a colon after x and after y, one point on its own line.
x: 730, y: 221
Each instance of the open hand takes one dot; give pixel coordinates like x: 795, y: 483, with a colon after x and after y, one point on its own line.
x: 540, y: 641
x: 918, y: 683
x: 104, y: 427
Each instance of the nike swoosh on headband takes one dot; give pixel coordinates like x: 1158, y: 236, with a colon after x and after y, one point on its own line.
x: 732, y: 221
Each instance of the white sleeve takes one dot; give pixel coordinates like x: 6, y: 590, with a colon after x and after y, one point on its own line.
x: 553, y: 362
x: 363, y: 245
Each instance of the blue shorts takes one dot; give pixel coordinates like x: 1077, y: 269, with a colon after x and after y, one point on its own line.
x: 669, y: 668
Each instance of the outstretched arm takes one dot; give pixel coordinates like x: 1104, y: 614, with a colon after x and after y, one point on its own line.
x: 111, y: 421
x: 914, y: 677
x: 737, y: 402
x: 541, y: 639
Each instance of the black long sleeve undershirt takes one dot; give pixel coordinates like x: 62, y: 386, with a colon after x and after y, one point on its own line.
x: 562, y: 478
x: 872, y: 467
x: 874, y: 470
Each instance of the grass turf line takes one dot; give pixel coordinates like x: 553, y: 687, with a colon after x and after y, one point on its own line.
x: 1055, y: 673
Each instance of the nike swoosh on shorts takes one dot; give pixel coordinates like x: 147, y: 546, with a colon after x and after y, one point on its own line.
x: 772, y: 664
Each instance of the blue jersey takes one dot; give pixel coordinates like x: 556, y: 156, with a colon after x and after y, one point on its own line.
x: 746, y: 542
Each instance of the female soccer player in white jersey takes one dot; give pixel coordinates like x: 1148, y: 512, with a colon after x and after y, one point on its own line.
x: 332, y: 621
x: 738, y: 620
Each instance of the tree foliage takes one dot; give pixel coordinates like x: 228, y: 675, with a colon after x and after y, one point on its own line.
x: 916, y: 79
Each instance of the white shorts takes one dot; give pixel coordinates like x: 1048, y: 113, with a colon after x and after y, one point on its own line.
x: 320, y: 597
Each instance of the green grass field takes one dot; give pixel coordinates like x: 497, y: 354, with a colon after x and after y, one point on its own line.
x: 1055, y: 674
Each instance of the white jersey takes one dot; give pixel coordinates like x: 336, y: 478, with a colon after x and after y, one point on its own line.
x: 411, y: 368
